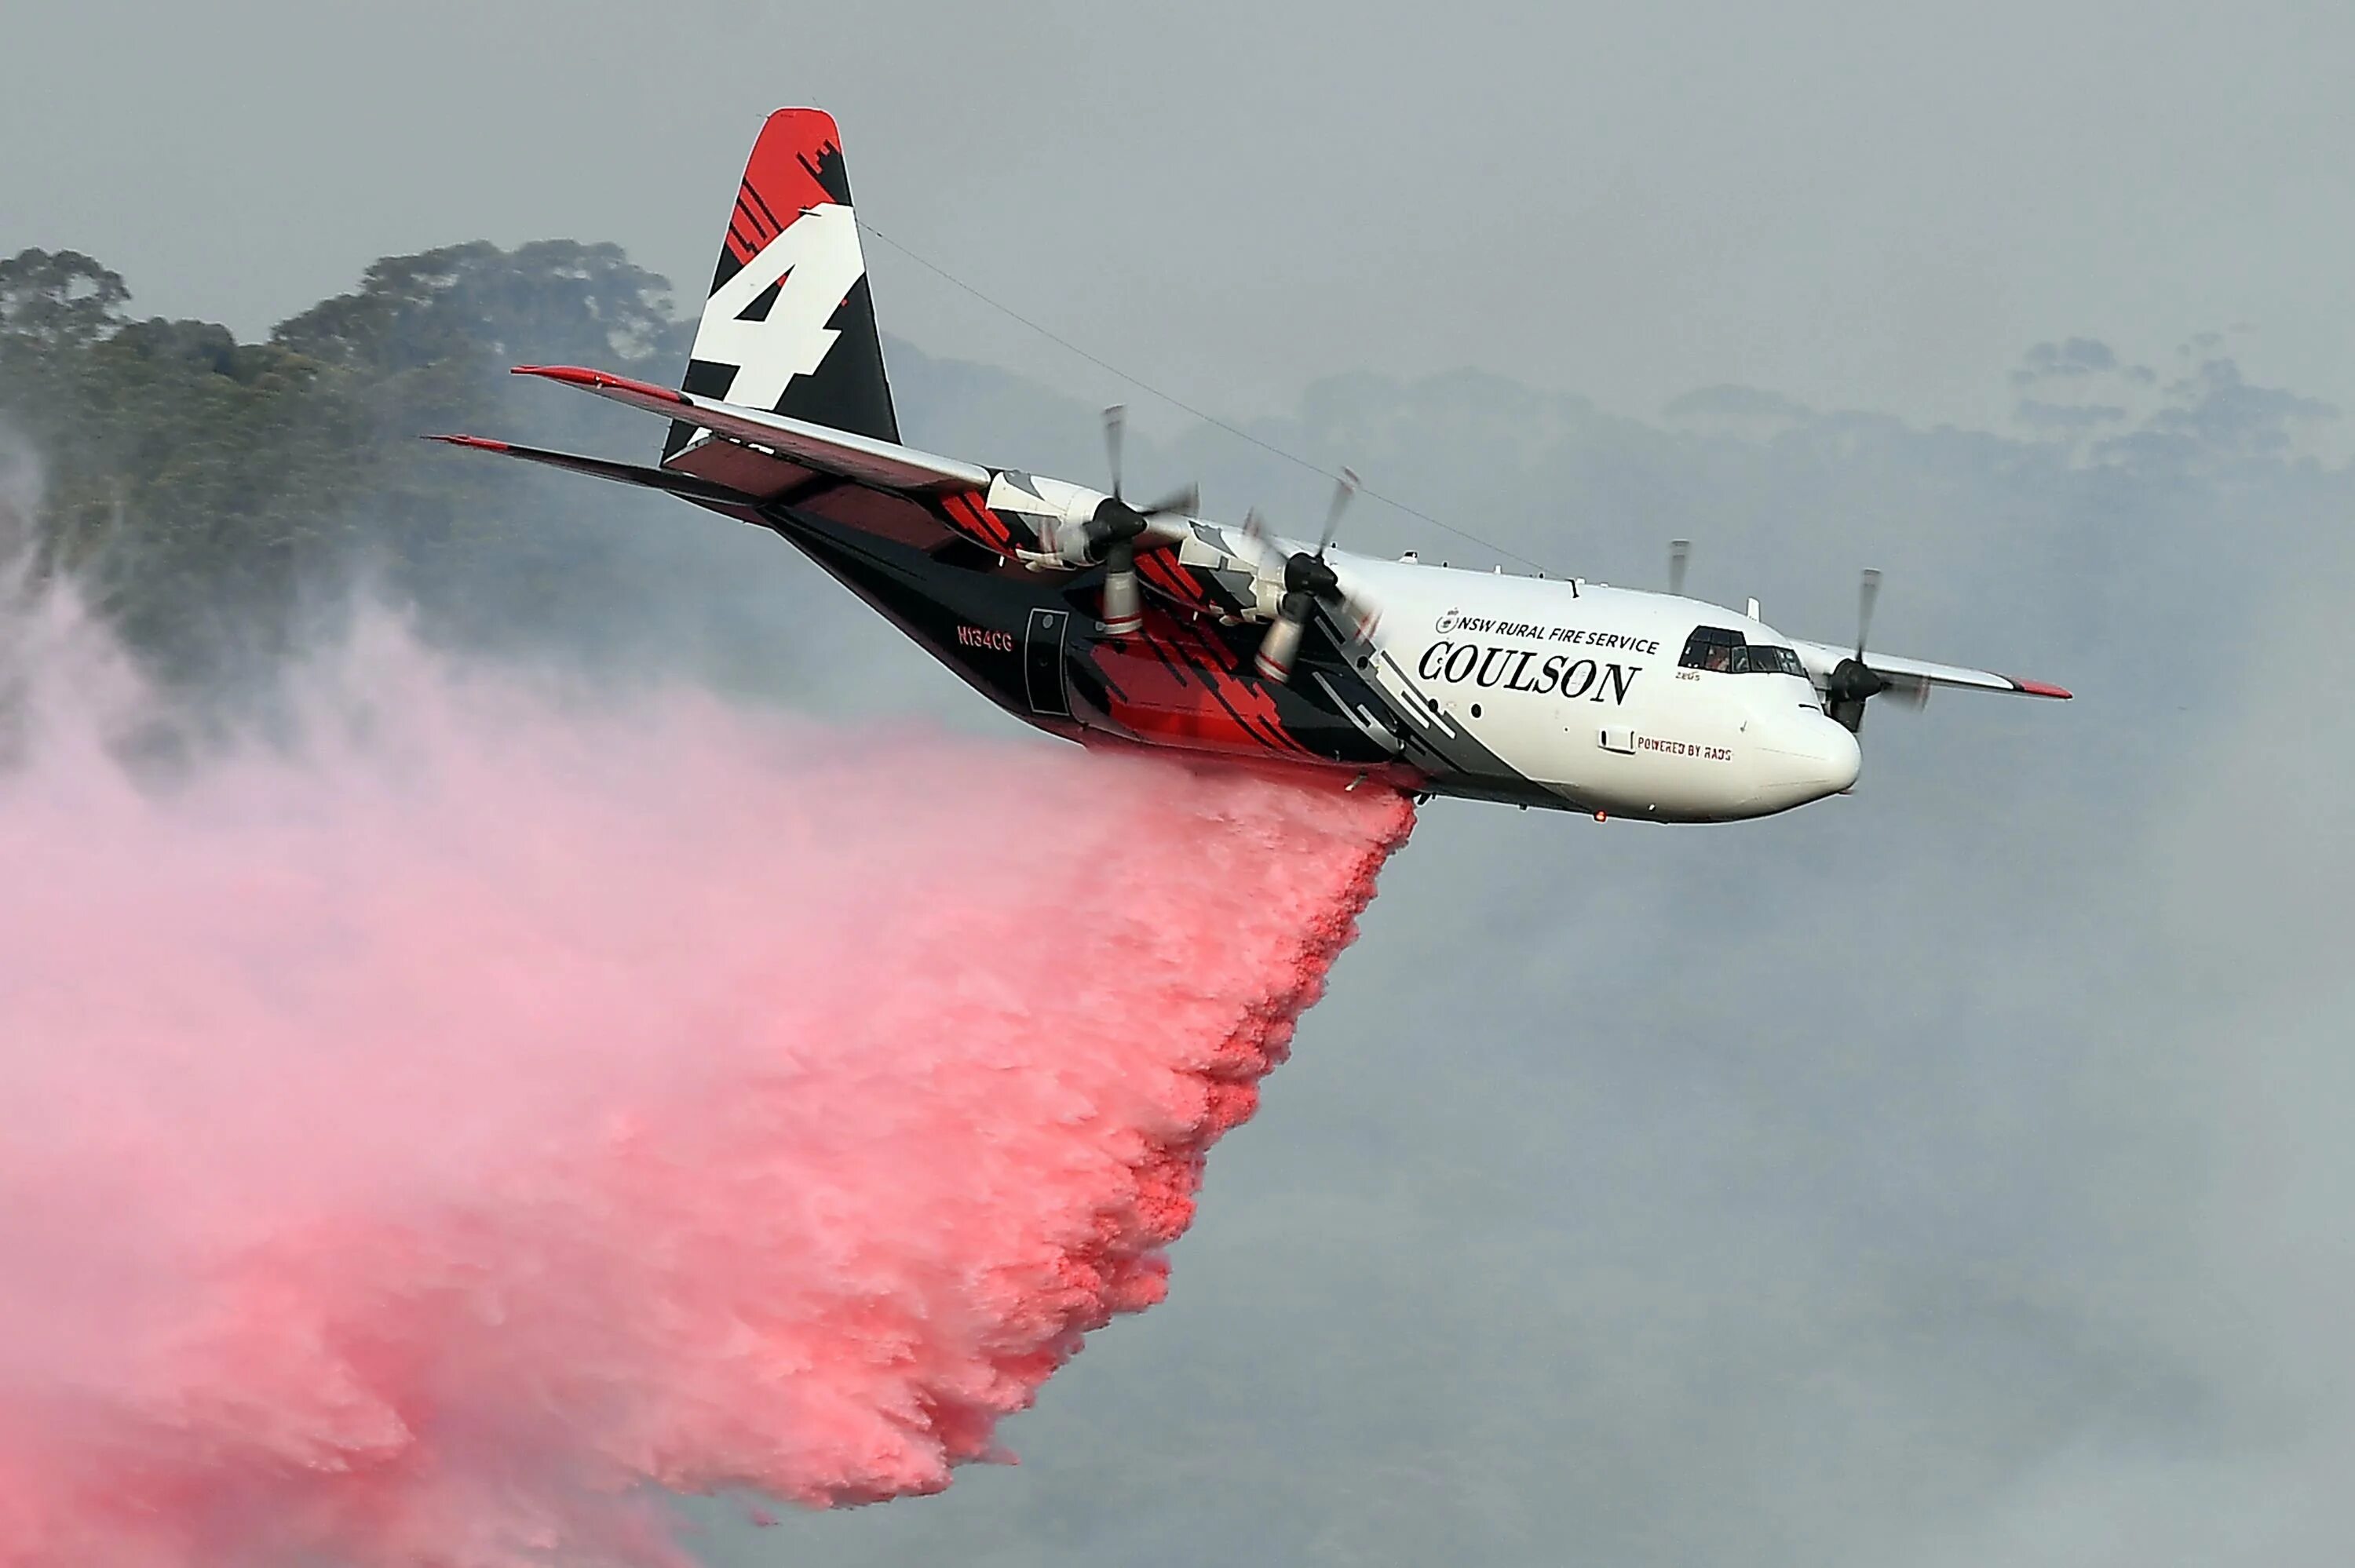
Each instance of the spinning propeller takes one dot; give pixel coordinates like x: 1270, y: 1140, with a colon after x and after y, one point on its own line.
x: 1113, y: 530
x: 1309, y: 582
x: 1852, y: 682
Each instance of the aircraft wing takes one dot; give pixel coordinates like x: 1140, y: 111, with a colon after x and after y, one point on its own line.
x: 1910, y: 680
x: 884, y: 464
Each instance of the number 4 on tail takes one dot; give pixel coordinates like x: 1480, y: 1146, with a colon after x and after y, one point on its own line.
x: 769, y: 321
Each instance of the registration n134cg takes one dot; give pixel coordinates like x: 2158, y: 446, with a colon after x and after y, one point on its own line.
x: 1104, y: 619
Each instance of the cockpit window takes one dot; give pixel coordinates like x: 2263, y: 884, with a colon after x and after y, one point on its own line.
x: 1711, y: 648
x: 1764, y: 661
x: 1721, y: 648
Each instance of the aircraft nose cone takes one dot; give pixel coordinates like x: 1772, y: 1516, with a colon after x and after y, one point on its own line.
x: 1842, y: 758
x: 1820, y: 757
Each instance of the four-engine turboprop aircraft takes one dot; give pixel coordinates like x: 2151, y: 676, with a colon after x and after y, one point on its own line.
x: 1097, y: 620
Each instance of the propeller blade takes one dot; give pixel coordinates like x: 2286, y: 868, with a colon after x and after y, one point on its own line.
x: 1363, y: 616
x: 1282, y: 644
x: 1868, y: 590
x: 1123, y: 605
x: 1346, y: 487
x: 1256, y: 549
x: 1184, y: 502
x: 1679, y: 555
x: 1115, y: 421
x: 1905, y: 693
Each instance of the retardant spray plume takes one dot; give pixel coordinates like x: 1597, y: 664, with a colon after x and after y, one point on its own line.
x: 424, y: 1140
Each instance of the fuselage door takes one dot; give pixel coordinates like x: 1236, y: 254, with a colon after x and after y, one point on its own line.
x: 1042, y: 662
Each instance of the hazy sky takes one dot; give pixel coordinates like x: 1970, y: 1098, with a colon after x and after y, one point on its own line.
x: 1860, y: 204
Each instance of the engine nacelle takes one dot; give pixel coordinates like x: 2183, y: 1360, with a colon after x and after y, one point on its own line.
x: 1057, y: 516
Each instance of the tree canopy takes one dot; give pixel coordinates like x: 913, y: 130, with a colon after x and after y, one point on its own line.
x: 207, y: 490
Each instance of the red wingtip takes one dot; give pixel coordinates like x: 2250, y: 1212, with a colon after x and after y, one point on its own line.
x: 574, y: 375
x: 2039, y: 688
x: 479, y: 443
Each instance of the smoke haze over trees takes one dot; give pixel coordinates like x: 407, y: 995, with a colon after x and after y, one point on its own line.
x: 1952, y: 1173
x: 216, y: 488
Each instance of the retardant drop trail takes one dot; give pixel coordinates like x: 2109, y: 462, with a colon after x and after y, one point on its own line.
x: 424, y: 1140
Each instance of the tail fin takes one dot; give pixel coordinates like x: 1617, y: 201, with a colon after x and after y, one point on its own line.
x: 789, y: 327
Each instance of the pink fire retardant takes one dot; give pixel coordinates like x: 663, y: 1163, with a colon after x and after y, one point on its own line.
x: 429, y: 1135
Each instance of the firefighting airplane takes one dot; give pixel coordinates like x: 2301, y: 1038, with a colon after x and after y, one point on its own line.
x: 1101, y: 620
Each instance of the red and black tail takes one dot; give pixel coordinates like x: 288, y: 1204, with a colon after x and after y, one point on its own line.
x: 789, y: 327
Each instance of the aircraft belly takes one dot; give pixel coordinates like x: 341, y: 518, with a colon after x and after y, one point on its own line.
x: 1633, y: 759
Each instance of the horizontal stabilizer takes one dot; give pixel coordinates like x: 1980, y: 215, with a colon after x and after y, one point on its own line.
x: 886, y: 465
x: 681, y: 484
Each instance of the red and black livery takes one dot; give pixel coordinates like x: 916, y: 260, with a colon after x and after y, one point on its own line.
x: 990, y: 592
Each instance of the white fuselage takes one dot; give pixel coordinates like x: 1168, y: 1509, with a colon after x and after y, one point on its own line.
x: 1575, y: 687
